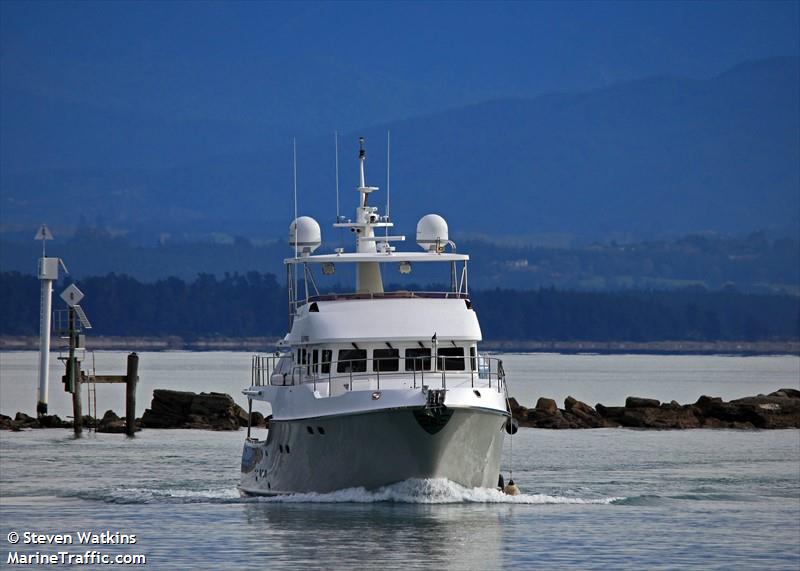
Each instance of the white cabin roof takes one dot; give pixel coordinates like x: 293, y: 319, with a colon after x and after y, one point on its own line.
x: 381, y: 320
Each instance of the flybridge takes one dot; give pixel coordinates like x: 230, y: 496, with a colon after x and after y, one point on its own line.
x: 371, y: 249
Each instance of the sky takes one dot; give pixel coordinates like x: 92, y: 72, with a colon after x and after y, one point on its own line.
x: 231, y: 61
x: 125, y: 98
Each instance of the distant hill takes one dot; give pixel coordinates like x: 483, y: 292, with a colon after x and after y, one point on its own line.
x: 651, y: 157
x: 750, y: 263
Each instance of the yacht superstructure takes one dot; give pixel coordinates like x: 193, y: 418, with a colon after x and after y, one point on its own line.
x: 374, y: 387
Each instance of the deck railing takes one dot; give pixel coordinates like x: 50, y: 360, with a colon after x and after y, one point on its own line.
x: 486, y: 371
x: 403, y: 294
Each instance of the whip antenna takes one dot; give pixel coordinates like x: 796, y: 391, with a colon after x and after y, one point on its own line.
x: 336, y: 153
x: 388, y: 188
x: 294, y: 174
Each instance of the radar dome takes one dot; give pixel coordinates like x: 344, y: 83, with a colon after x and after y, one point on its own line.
x: 432, y: 233
x: 304, y: 233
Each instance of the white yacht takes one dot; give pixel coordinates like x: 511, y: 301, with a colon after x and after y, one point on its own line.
x: 374, y: 387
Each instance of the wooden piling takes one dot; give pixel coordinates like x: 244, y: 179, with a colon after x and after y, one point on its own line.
x: 74, y: 372
x: 131, y: 379
x: 77, y: 411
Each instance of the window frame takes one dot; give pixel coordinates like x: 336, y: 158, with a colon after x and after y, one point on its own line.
x: 388, y: 363
x: 424, y: 359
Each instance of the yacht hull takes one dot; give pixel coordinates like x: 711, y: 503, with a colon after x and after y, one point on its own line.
x: 374, y: 449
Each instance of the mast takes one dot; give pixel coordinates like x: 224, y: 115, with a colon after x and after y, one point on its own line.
x: 367, y: 219
x: 368, y: 276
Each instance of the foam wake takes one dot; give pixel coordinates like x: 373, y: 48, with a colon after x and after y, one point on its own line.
x: 433, y: 491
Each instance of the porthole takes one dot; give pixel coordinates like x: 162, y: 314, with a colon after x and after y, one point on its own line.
x: 280, y: 448
x: 310, y: 430
x: 321, y: 430
x: 477, y: 393
x: 287, y: 449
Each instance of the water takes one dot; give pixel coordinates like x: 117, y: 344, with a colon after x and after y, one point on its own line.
x: 609, y: 498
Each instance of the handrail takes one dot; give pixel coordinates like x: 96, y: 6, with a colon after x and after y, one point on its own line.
x: 265, y: 367
x: 387, y: 295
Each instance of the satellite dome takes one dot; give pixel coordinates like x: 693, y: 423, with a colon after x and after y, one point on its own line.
x: 432, y: 232
x: 304, y: 233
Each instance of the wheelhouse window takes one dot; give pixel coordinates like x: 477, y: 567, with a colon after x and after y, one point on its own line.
x: 384, y: 360
x: 472, y: 362
x: 418, y: 359
x: 352, y: 360
x: 451, y: 358
x: 327, y: 356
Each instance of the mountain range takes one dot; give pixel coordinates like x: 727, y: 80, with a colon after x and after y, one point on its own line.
x: 653, y: 157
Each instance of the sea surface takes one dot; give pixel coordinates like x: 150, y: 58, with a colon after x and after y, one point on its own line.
x: 594, y: 499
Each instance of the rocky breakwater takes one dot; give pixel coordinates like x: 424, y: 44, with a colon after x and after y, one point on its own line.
x: 208, y: 411
x: 22, y: 420
x: 780, y: 409
x: 110, y: 422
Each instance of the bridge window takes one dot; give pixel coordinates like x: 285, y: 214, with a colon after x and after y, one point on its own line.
x: 385, y: 360
x: 451, y: 358
x: 418, y: 359
x: 352, y: 360
x: 327, y: 357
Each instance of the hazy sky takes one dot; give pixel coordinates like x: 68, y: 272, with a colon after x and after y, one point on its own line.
x: 155, y: 84
x: 212, y: 59
x: 176, y: 99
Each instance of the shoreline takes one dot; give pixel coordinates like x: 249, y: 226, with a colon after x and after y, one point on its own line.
x: 267, y: 344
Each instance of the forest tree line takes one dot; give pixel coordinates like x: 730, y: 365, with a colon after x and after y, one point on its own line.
x: 254, y: 304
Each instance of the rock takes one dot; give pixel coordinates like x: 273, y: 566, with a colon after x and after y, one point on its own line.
x: 547, y: 405
x: 111, y: 423
x: 638, y: 402
x: 788, y: 393
x: 53, y: 421
x: 609, y: 411
x: 183, y: 409
x: 24, y: 421
x: 537, y: 418
x: 762, y: 412
x: 581, y: 415
x: 649, y: 417
x: 168, y: 409
x: 241, y: 414
x: 516, y: 409
x: 705, y: 401
x: 256, y: 418
x: 211, y: 404
x: 575, y: 406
